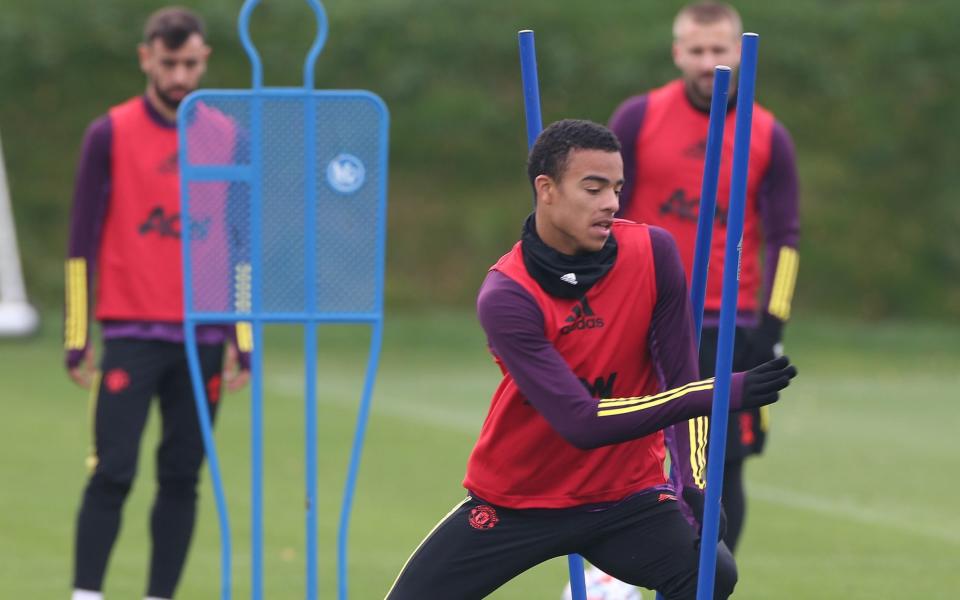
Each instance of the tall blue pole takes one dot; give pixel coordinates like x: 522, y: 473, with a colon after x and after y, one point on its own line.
x: 728, y: 312
x: 708, y: 193
x: 531, y: 108
x: 708, y: 197
x: 531, y: 85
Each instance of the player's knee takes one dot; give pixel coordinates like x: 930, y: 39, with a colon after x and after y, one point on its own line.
x: 179, y: 472
x: 107, y: 490
x: 181, y: 488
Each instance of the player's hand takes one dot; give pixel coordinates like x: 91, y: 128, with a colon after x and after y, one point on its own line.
x: 234, y: 375
x: 82, y: 374
x: 762, y: 384
x: 695, y: 500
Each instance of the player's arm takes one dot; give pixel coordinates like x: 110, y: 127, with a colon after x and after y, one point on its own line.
x: 673, y: 350
x: 236, y: 366
x: 90, y: 201
x: 513, y: 323
x: 625, y: 123
x: 778, y: 204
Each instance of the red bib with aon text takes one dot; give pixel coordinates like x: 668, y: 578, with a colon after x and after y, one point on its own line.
x: 140, y: 274
x: 670, y: 151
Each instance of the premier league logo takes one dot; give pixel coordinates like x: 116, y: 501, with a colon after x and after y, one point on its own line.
x: 345, y: 173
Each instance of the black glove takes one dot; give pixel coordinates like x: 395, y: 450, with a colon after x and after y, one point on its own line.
x: 762, y: 384
x: 762, y: 341
x: 695, y: 499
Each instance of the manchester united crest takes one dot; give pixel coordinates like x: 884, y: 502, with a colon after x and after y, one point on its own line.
x: 483, y: 517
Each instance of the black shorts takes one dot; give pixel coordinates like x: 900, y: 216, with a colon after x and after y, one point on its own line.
x: 477, y: 547
x: 746, y: 429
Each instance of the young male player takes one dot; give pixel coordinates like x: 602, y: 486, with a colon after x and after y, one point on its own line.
x: 589, y: 320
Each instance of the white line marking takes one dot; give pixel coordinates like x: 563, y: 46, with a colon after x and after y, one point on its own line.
x: 449, y: 417
x: 847, y: 508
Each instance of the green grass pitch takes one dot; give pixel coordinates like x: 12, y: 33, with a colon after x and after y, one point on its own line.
x: 855, y: 499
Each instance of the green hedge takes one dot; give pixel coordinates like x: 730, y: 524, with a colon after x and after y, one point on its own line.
x: 867, y: 89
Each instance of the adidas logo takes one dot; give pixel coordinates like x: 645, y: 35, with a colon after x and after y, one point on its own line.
x: 570, y: 278
x: 581, y: 317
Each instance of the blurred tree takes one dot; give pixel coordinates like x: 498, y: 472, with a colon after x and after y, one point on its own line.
x: 867, y: 87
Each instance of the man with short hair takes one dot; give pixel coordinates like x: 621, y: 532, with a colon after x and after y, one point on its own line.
x: 125, y: 234
x: 589, y: 320
x: 663, y: 134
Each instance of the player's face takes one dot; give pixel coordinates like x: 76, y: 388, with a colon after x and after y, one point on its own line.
x: 575, y: 213
x: 699, y: 47
x: 172, y: 74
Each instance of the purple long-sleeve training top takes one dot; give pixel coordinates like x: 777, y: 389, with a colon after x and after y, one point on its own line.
x: 513, y: 323
x: 777, y: 199
x: 91, y: 201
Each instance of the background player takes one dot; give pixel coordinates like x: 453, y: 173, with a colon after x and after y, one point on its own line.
x: 663, y: 135
x: 125, y: 234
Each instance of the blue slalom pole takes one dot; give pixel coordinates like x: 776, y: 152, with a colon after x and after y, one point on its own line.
x: 708, y: 197
x: 728, y: 311
x: 708, y: 193
x: 531, y: 85
x: 531, y: 109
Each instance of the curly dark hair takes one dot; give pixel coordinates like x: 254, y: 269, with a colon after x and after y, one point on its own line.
x: 552, y: 148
